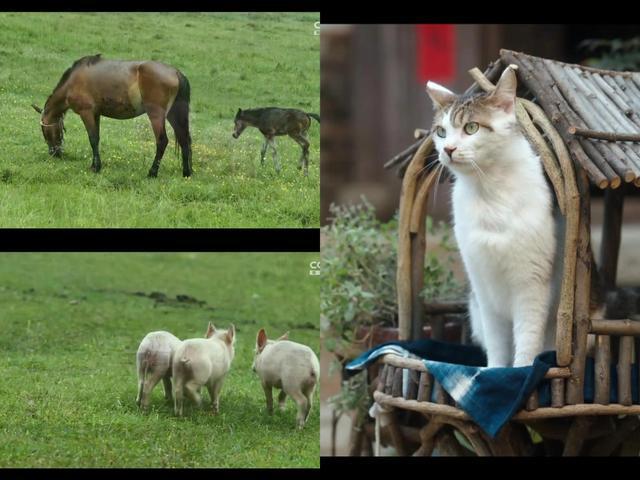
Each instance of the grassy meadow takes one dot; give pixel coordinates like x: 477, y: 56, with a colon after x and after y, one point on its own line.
x: 70, y: 325
x: 232, y: 60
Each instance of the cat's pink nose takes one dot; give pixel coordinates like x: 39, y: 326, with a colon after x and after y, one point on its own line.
x: 449, y: 150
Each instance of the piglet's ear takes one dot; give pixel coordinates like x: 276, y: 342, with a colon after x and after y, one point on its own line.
x: 261, y: 340
x: 210, y: 331
x: 284, y: 337
x: 230, y: 337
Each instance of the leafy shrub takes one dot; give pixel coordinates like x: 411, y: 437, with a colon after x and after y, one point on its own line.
x: 359, y: 261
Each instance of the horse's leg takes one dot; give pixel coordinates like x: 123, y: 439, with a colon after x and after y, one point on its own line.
x: 263, y: 152
x: 295, y: 139
x: 180, y: 127
x: 92, y: 124
x: 305, y: 151
x: 276, y: 162
x: 302, y: 140
x: 157, y: 116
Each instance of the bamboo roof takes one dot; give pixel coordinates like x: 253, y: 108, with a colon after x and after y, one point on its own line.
x: 595, y: 111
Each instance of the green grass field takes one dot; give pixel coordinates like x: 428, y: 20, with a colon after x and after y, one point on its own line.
x: 232, y: 61
x: 70, y: 325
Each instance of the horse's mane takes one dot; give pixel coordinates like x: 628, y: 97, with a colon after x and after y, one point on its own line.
x: 84, y: 61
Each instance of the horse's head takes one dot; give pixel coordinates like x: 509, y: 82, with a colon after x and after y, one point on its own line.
x: 240, y: 124
x: 52, y: 131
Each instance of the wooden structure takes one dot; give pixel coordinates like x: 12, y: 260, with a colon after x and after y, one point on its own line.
x: 585, y: 125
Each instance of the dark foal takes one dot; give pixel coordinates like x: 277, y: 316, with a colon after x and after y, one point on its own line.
x: 93, y: 87
x: 273, y: 122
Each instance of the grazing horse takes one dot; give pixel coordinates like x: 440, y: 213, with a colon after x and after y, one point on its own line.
x: 94, y: 87
x: 274, y: 121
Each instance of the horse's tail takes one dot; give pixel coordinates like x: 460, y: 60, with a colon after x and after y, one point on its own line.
x: 314, y: 115
x: 180, y: 107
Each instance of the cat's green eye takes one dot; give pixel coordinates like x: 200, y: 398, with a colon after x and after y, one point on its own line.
x: 471, y: 128
x: 441, y: 132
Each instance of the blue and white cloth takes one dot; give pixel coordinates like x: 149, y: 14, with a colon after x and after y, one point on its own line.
x: 491, y: 396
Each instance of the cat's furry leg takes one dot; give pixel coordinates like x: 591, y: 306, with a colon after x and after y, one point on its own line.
x: 496, y: 330
x: 530, y: 320
x: 475, y: 319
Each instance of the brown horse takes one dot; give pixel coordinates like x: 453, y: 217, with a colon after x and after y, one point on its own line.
x: 93, y: 86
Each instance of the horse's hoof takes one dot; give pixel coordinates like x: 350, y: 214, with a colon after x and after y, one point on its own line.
x: 152, y: 174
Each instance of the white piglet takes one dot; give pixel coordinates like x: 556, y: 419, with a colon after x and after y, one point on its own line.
x: 202, y: 362
x: 153, y: 360
x: 289, y: 366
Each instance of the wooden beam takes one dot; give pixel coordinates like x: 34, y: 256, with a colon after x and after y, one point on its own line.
x: 611, y: 232
x: 615, y: 327
x: 609, y: 136
x: 575, y: 384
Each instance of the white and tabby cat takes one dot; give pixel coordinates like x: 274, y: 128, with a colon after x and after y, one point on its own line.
x: 504, y: 221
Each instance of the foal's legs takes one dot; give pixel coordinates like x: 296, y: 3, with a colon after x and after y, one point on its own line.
x: 301, y: 139
x: 92, y: 124
x: 157, y: 116
x: 263, y: 152
x: 276, y: 162
x: 179, y: 119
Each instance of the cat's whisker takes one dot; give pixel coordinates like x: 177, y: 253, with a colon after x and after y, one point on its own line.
x: 428, y: 164
x: 477, y: 167
x: 435, y: 193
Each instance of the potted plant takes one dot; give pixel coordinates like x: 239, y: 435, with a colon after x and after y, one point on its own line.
x: 358, y: 297
x: 358, y: 294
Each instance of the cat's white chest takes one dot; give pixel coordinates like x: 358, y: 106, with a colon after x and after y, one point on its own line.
x: 481, y: 226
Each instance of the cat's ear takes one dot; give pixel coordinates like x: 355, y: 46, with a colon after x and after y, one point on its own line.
x: 504, y: 96
x: 440, y: 96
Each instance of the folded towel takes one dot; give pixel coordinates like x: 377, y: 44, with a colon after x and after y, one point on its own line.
x: 490, y: 396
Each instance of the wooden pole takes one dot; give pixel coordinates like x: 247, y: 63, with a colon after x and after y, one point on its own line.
x: 572, y: 198
x: 382, y: 377
x: 615, y: 327
x: 424, y: 388
x: 609, y: 136
x: 611, y: 231
x: 625, y: 353
x: 602, y: 366
x: 396, y: 386
x: 440, y: 394
x: 557, y: 392
x: 427, y: 437
x: 415, y: 364
x: 403, y: 275
x: 388, y: 382
x: 532, y: 402
x: 418, y: 238
x: 575, y: 385
x: 523, y: 415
